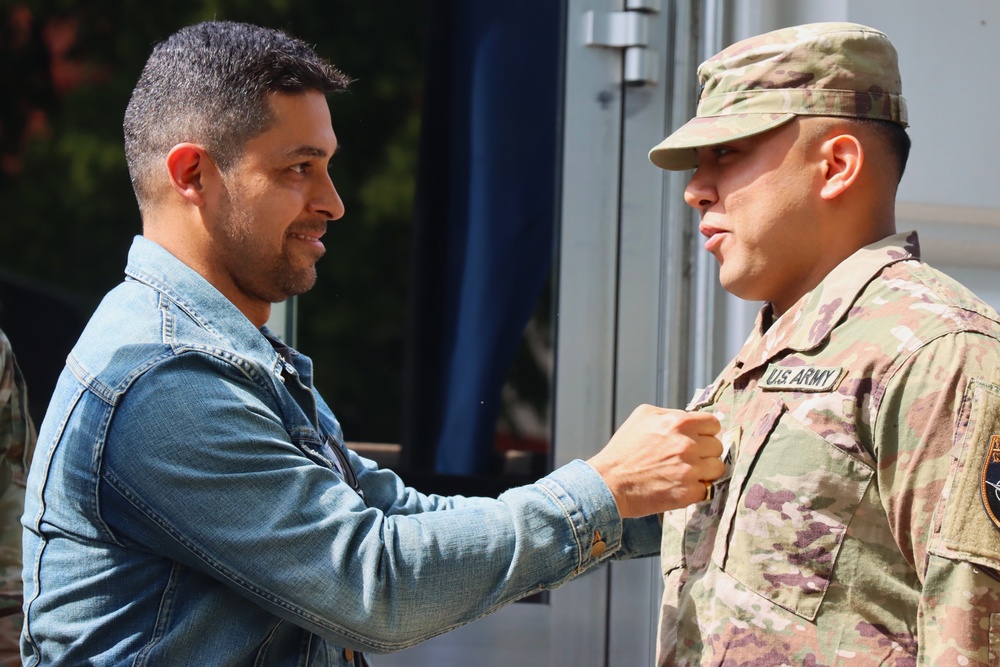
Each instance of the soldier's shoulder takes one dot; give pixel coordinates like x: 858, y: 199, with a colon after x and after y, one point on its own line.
x: 923, y: 296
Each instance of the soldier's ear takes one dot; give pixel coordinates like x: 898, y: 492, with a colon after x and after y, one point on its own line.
x: 842, y: 157
x: 189, y: 168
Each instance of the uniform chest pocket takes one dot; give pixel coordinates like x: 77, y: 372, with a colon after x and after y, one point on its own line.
x: 792, y: 497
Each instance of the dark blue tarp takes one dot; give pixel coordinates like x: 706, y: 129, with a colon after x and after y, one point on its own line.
x: 498, y: 123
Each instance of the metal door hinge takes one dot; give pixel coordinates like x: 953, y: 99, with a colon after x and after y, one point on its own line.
x: 629, y: 31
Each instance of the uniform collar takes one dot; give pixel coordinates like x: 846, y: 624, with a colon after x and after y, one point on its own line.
x: 808, y: 323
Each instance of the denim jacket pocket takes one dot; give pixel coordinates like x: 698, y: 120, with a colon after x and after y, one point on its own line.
x: 793, y: 496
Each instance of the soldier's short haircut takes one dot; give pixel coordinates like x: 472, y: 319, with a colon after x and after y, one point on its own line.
x: 209, y: 84
x: 895, y: 137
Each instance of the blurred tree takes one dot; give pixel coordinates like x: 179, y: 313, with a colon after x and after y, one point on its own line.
x: 67, y: 68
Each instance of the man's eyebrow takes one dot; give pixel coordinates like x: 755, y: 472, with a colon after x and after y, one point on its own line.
x: 308, y: 151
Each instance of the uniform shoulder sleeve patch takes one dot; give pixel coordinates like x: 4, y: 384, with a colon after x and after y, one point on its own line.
x: 968, y: 526
x: 801, y: 378
x: 989, y: 480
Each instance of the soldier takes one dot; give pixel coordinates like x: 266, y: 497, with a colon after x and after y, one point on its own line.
x: 17, y: 439
x: 857, y: 519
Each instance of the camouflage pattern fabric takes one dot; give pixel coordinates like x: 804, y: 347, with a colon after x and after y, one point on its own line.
x: 850, y: 527
x: 819, y: 69
x: 17, y: 441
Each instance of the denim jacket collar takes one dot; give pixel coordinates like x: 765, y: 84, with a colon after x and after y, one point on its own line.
x: 152, y: 264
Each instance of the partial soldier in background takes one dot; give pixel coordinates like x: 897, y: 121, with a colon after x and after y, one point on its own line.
x: 17, y: 440
x: 857, y: 520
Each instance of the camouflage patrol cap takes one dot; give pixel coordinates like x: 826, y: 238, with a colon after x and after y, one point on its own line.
x: 818, y: 69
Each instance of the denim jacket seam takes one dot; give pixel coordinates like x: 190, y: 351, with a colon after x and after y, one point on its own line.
x: 162, y: 620
x: 98, y: 464
x: 108, y: 394
x: 37, y: 521
x: 262, y: 653
x: 165, y: 290
x: 89, y: 382
x: 247, y: 367
x: 168, y: 323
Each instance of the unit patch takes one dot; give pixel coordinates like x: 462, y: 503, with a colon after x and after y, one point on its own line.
x: 801, y: 378
x: 989, y: 483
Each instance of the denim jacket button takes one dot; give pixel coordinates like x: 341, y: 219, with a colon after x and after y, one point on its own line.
x: 348, y: 655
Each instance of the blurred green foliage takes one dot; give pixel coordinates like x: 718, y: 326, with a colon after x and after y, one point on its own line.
x: 67, y: 68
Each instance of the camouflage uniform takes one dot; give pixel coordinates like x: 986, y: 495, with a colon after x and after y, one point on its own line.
x: 17, y: 440
x: 850, y: 526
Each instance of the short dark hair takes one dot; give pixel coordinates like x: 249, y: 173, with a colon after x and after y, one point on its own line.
x: 895, y: 138
x: 209, y: 84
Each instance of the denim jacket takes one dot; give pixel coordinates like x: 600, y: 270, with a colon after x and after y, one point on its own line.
x: 187, y: 505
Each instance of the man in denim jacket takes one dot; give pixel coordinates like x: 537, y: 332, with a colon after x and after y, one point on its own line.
x: 191, y: 500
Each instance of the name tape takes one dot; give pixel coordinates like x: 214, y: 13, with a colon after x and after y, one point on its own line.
x: 801, y: 378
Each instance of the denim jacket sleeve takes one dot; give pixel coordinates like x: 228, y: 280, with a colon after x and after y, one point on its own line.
x: 211, y: 479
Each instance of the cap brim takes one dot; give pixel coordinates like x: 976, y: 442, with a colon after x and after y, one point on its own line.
x: 677, y: 152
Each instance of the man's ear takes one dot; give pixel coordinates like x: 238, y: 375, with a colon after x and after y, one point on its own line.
x: 188, y: 167
x: 842, y: 157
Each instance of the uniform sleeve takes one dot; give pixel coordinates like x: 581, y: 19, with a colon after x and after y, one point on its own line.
x: 209, y: 478
x: 7, y: 402
x: 10, y: 552
x: 17, y: 437
x: 932, y: 437
x: 17, y: 432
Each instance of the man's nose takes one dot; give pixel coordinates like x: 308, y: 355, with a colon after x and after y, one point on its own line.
x: 700, y: 193
x: 328, y: 202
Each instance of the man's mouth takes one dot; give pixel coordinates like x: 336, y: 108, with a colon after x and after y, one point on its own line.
x: 714, y: 235
x: 309, y: 236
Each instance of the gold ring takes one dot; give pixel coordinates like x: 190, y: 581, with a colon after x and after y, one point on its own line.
x: 709, y: 490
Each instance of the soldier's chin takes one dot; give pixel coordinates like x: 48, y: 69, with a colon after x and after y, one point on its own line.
x: 734, y: 285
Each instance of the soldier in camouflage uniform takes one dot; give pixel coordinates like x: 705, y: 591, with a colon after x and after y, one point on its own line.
x: 17, y: 438
x: 857, y: 521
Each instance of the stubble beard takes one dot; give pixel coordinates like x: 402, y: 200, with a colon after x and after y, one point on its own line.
x: 254, y: 268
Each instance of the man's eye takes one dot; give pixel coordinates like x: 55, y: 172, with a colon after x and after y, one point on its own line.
x: 300, y: 168
x: 720, y: 151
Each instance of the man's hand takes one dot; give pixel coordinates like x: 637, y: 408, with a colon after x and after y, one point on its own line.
x: 660, y: 459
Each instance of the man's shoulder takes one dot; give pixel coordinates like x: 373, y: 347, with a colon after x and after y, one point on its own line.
x: 136, y: 329
x: 915, y: 296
